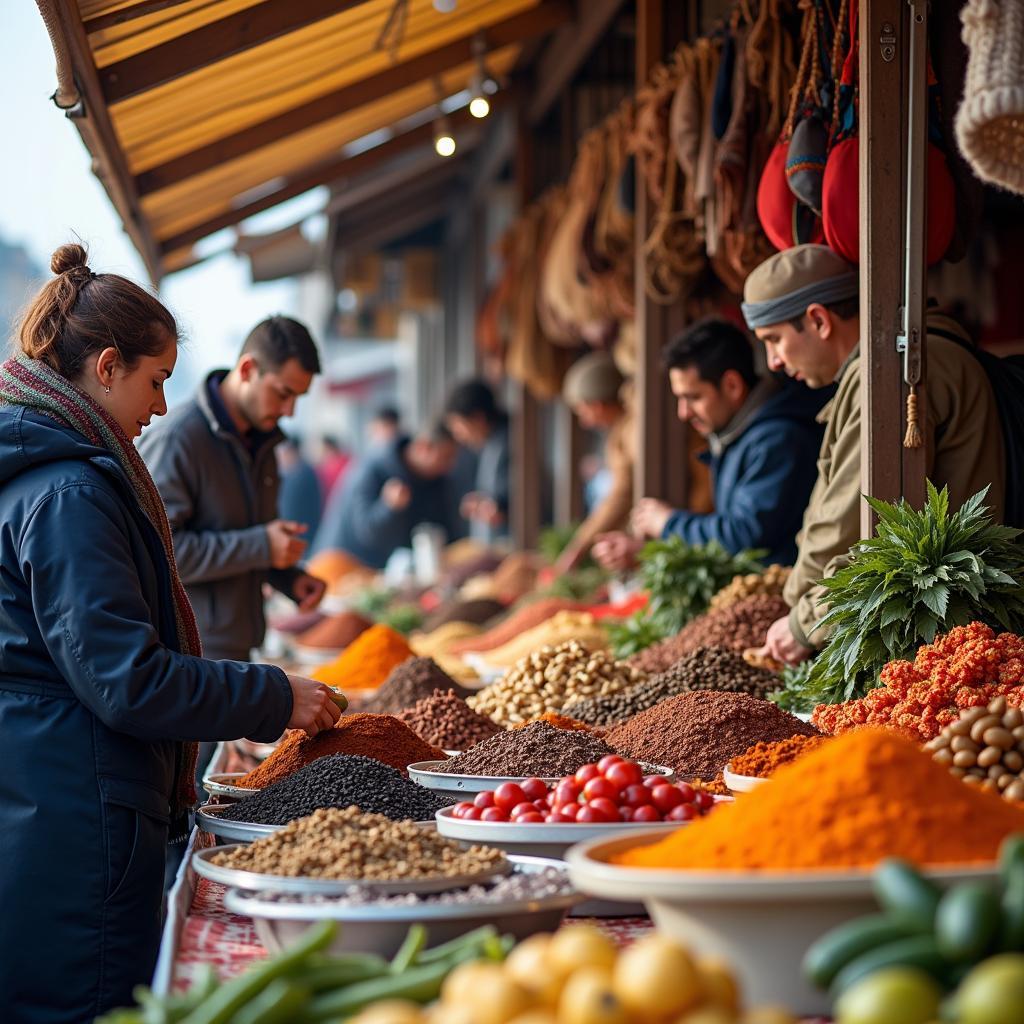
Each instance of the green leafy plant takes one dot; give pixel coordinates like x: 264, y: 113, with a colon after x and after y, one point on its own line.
x: 553, y: 540
x: 682, y: 578
x: 578, y: 585
x: 403, y: 618
x: 634, y: 634
x: 923, y: 573
x: 373, y: 602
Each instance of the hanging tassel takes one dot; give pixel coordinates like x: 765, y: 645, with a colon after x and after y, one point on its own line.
x: 914, y: 437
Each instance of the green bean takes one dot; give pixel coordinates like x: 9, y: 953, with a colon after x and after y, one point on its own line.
x: 415, y: 940
x: 233, y: 995
x: 474, y: 938
x: 320, y: 976
x: 276, y: 1004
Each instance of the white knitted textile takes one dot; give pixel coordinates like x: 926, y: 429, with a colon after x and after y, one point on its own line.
x: 990, y: 121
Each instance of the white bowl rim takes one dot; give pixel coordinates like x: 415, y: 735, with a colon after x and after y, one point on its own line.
x: 424, y: 770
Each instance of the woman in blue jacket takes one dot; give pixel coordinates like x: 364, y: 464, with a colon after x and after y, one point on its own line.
x: 103, y: 690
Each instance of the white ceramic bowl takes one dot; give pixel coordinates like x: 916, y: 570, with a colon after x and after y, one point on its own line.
x: 456, y: 787
x: 760, y: 922
x: 741, y: 783
x: 224, y: 785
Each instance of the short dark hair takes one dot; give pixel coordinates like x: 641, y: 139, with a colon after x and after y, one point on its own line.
x: 279, y: 338
x: 387, y: 414
x: 845, y: 309
x: 712, y: 346
x: 472, y: 397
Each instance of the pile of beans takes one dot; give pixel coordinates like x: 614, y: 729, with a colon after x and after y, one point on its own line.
x: 549, y: 679
x: 410, y: 682
x: 985, y: 747
x: 706, y: 668
x: 447, y: 721
x: 742, y: 625
x: 697, y: 734
x: 516, y: 887
x: 770, y: 582
x: 338, y: 781
x: 335, y: 843
x: 537, y: 750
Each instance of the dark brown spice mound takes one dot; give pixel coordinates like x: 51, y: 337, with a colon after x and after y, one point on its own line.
x: 697, y: 734
x: 479, y: 612
x: 538, y: 749
x: 409, y: 683
x: 706, y: 668
x: 742, y: 625
x: 447, y: 721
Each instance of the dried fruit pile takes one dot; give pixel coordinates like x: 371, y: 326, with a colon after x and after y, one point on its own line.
x: 770, y: 582
x: 968, y: 667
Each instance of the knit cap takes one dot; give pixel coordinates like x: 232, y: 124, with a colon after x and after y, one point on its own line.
x: 594, y: 378
x: 784, y: 285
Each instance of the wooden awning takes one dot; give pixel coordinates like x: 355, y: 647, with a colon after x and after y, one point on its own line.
x: 200, y: 113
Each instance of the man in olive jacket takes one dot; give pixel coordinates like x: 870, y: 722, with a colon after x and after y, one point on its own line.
x: 213, y: 462
x: 803, y: 304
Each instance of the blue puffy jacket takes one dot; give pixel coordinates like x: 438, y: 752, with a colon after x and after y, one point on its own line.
x: 763, y: 467
x: 93, y: 697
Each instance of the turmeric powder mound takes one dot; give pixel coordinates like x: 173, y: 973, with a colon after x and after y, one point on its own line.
x: 863, y: 796
x: 367, y: 661
x: 382, y: 737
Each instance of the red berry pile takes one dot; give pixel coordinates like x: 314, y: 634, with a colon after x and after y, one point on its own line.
x: 967, y: 667
x: 613, y: 790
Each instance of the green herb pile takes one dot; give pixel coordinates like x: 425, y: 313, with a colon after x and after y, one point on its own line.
x: 923, y: 573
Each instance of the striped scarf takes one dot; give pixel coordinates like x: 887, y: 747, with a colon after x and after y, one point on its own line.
x: 32, y: 384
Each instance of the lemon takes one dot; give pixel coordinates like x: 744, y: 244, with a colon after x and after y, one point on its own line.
x: 588, y: 998
x: 993, y: 993
x: 657, y: 977
x: 581, y: 945
x: 895, y: 995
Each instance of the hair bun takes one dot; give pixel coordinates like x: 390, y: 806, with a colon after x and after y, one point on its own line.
x: 69, y: 257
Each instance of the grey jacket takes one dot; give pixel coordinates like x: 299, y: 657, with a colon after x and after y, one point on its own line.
x: 219, y: 498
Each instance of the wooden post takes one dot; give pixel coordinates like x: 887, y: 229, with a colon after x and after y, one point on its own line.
x: 569, y: 450
x: 662, y: 444
x: 882, y: 152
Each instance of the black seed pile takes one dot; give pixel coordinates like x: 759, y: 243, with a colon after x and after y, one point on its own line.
x: 408, y: 684
x: 537, y: 749
x: 338, y: 780
x: 706, y: 668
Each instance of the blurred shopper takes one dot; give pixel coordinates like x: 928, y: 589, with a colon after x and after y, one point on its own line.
x: 389, y: 493
x: 331, y: 467
x: 101, y: 681
x: 476, y: 421
x: 803, y: 304
x: 763, y: 439
x: 299, y: 497
x: 384, y: 427
x: 592, y: 390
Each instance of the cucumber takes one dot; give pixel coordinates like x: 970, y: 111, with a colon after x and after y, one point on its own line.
x: 834, y: 950
x: 904, y: 893
x: 1011, y: 929
x: 1011, y: 854
x: 967, y: 921
x: 921, y: 951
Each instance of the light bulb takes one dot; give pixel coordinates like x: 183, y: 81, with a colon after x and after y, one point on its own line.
x: 444, y: 144
x: 445, y: 6
x: 479, y: 106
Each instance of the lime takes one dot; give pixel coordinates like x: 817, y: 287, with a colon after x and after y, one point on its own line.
x: 894, y: 995
x: 993, y: 993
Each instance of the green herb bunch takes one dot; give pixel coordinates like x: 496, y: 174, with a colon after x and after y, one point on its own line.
x: 923, y: 573
x: 682, y: 578
x: 634, y: 634
x: 579, y: 585
x: 553, y: 540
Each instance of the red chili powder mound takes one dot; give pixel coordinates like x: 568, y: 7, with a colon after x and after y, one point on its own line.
x: 382, y: 737
x: 335, y: 632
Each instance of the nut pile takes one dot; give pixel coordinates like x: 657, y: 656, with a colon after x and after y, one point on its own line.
x: 742, y: 625
x: 537, y: 750
x: 706, y: 668
x: 335, y: 843
x: 985, y: 747
x: 447, y: 721
x: 410, y: 682
x: 338, y: 781
x: 559, y: 629
x: 770, y: 582
x: 549, y: 679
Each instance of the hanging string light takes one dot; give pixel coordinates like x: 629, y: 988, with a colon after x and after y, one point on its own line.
x: 479, y: 105
x: 444, y: 140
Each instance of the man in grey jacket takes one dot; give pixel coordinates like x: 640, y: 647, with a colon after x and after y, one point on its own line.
x: 213, y: 462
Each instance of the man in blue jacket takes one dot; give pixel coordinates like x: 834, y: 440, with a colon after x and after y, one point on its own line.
x: 387, y: 494
x: 763, y: 440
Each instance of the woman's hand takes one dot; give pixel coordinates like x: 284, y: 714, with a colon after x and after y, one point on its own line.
x: 313, y: 708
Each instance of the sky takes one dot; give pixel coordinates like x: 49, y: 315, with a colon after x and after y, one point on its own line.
x: 49, y: 196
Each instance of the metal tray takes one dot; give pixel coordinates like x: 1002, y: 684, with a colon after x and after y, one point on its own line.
x: 253, y: 881
x: 209, y: 819
x: 381, y: 929
x: 222, y: 784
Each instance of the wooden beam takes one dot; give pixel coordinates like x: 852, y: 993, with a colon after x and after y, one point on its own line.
x: 139, y: 9
x: 661, y: 469
x: 567, y: 52
x: 421, y: 168
x: 537, y: 20
x: 212, y: 43
x: 882, y: 58
x: 97, y: 131
x: 323, y: 174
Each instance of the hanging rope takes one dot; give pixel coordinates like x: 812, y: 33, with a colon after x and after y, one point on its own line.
x: 914, y: 437
x: 392, y: 35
